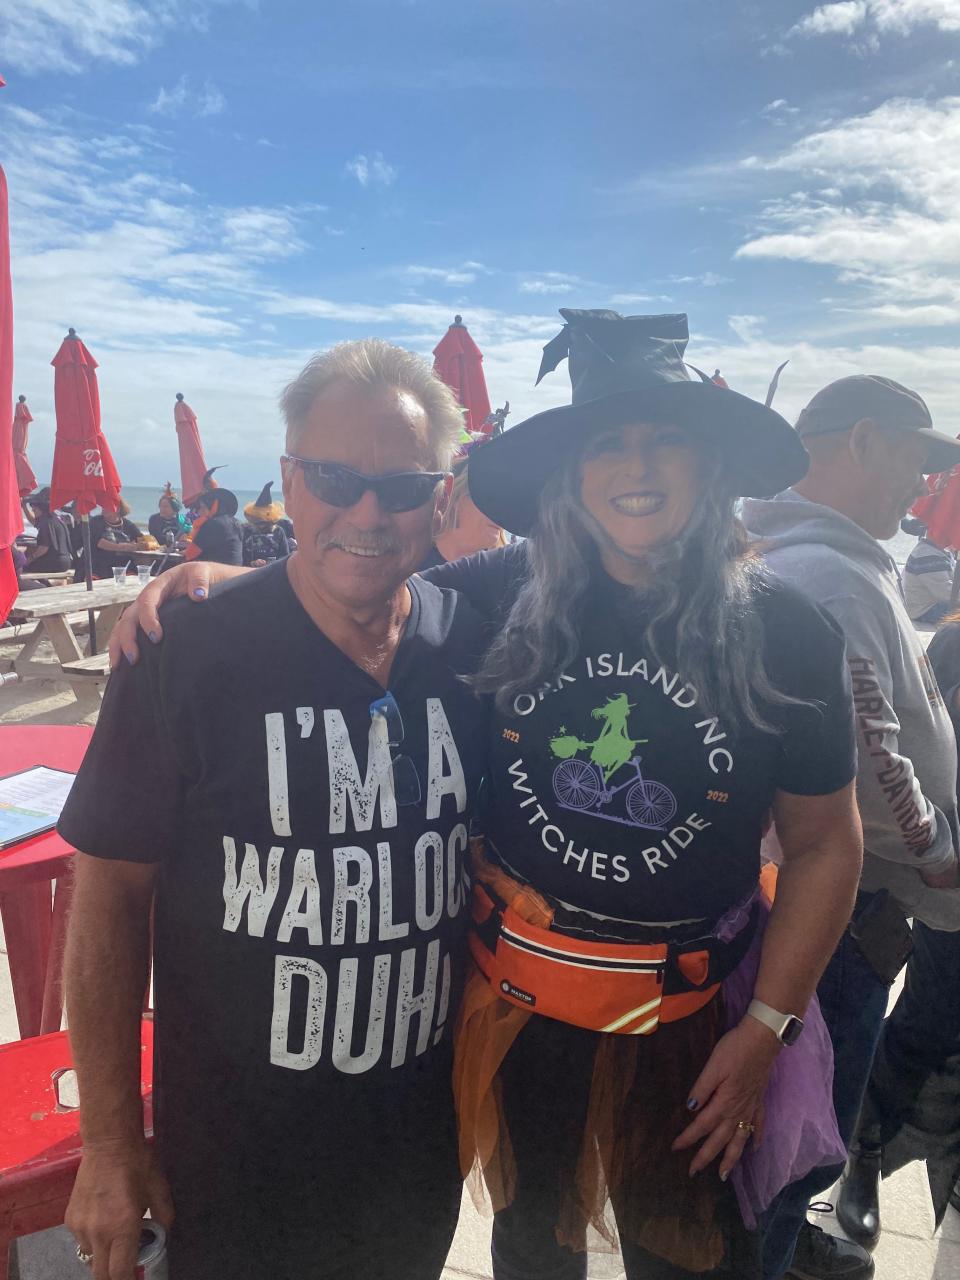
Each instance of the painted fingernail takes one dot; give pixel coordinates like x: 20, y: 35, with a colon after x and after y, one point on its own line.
x: 129, y: 657
x: 692, y: 1104
x: 199, y: 592
x: 154, y: 638
x: 724, y: 1175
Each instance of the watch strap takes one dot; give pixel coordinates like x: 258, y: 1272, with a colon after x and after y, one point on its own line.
x: 779, y: 1023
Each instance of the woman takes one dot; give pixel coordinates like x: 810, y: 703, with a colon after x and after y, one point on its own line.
x: 169, y: 517
x: 464, y: 529
x: 654, y: 697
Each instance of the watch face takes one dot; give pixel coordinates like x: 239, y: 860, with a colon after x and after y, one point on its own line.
x: 791, y: 1030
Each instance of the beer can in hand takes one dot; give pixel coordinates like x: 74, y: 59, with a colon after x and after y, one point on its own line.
x: 152, y: 1257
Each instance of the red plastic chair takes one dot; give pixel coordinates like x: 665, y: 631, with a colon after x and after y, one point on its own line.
x: 40, y: 1135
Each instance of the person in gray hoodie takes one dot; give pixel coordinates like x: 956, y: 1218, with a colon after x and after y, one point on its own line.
x: 870, y: 442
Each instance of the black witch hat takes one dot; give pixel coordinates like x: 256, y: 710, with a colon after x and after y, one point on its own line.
x: 627, y: 369
x: 228, y: 504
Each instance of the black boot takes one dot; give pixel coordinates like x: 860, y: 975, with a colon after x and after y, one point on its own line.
x: 955, y: 1197
x: 858, y: 1208
x: 819, y: 1256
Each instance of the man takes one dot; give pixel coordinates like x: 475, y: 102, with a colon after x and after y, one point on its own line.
x: 928, y: 582
x: 870, y: 441
x: 312, y: 761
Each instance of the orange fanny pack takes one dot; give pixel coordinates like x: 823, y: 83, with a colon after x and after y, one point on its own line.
x: 623, y: 988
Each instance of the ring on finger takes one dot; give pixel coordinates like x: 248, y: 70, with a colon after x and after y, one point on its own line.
x: 746, y: 1126
x: 82, y: 1256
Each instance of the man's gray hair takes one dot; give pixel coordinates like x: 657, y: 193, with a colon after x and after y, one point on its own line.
x: 374, y: 365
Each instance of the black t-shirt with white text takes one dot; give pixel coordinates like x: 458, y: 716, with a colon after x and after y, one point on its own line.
x: 616, y: 792
x: 311, y: 915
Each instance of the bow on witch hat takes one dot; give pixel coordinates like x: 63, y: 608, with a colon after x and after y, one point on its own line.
x: 630, y: 369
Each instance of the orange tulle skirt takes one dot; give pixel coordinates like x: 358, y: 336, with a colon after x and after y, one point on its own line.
x: 612, y: 1103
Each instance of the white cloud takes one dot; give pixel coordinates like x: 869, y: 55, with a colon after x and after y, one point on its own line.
x: 466, y: 273
x: 44, y: 35
x: 372, y: 170
x: 262, y: 233
x: 212, y: 101
x: 887, y: 212
x: 708, y: 279
x: 170, y: 101
x: 632, y: 299
x: 878, y: 17
x: 840, y: 19
x: 778, y: 110
x: 551, y: 282
x: 208, y: 101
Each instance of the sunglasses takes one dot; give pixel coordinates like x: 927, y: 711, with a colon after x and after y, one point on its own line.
x: 406, y: 780
x: 341, y: 486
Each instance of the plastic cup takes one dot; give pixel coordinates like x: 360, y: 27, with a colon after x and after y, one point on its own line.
x: 119, y: 573
x: 143, y: 574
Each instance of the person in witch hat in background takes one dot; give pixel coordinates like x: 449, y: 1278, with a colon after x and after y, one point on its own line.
x: 263, y: 539
x: 217, y: 535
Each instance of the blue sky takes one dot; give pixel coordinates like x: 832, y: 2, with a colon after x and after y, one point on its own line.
x: 210, y: 190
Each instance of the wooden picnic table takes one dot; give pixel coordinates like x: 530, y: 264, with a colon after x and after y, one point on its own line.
x: 51, y: 609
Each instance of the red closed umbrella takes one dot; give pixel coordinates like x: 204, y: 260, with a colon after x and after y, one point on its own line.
x: 11, y: 523
x: 22, y: 417
x: 458, y: 361
x: 192, y: 465
x: 84, y: 471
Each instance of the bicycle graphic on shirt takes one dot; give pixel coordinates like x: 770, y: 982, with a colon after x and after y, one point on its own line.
x: 584, y: 785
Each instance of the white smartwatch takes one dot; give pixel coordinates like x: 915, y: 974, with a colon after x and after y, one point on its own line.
x: 785, y: 1026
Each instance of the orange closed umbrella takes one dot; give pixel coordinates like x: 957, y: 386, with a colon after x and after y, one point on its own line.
x: 22, y: 417
x: 193, y: 468
x: 458, y: 361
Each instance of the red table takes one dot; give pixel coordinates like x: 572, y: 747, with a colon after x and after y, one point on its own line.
x: 34, y: 920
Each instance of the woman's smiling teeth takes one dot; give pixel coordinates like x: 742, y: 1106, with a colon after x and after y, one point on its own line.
x: 638, y: 504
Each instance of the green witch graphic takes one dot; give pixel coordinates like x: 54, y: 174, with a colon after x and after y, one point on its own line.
x: 585, y: 784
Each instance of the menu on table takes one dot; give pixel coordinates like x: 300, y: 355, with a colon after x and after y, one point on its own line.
x: 31, y: 801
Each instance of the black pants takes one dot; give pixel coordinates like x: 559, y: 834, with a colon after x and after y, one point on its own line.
x: 547, y: 1073
x: 912, y: 1103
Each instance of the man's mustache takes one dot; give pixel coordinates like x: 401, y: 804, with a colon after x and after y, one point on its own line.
x: 364, y: 541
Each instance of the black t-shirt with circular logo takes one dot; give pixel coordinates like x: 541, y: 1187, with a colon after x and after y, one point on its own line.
x: 617, y: 792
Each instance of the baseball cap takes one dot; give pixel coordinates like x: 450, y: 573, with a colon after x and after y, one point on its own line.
x: 842, y: 404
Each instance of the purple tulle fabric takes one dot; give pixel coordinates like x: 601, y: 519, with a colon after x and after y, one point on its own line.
x: 800, y: 1128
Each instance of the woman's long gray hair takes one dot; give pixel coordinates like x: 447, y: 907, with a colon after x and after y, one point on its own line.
x: 696, y: 613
